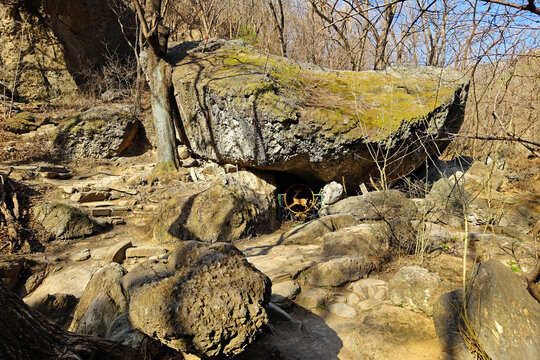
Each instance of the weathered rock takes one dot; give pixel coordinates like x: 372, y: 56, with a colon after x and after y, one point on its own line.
x: 100, y: 132
x: 71, y: 281
x: 310, y: 121
x: 364, y: 239
x: 81, y: 255
x: 333, y: 192
x: 374, y: 205
x: 311, y: 232
x: 117, y: 252
x: 338, y: 271
x: 57, y: 41
x: 101, y: 303
x: 64, y: 221
x: 241, y: 204
x: 312, y: 298
x: 213, y: 305
x: 283, y: 292
x: 416, y: 288
x: 370, y: 289
x: 21, y: 123
x: 342, y: 310
x: 504, y: 316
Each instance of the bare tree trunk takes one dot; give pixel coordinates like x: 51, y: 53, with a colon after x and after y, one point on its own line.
x: 279, y: 23
x: 382, y: 39
x: 160, y: 81
x: 26, y: 334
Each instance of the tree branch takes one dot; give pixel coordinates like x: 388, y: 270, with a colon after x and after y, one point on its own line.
x: 529, y: 7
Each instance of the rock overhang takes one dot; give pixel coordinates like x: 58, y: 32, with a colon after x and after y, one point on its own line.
x: 242, y: 106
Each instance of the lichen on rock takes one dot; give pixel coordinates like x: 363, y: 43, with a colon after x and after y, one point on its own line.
x: 242, y: 106
x: 99, y: 132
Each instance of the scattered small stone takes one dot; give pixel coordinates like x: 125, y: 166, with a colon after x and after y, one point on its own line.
x: 190, y: 162
x: 68, y: 189
x: 230, y: 168
x: 342, y: 310
x: 80, y: 255
x: 183, y: 152
x: 193, y: 175
x: 118, y: 221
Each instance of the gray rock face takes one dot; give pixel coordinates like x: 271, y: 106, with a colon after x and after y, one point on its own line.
x: 100, y: 132
x: 505, y: 317
x: 64, y: 221
x: 242, y: 204
x: 284, y: 117
x: 213, y: 306
x: 416, y: 288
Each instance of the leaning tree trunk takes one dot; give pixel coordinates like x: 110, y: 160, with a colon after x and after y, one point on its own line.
x: 160, y: 80
x: 26, y: 334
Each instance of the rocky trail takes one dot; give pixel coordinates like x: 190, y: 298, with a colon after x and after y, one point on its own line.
x: 327, y: 302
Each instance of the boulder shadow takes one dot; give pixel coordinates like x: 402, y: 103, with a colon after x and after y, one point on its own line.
x: 307, y: 337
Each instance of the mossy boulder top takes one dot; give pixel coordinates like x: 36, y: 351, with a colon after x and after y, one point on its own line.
x: 242, y: 106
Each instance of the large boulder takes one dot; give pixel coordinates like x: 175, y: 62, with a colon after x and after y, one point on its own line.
x: 240, y: 204
x: 64, y: 221
x: 56, y: 42
x: 502, y: 313
x: 242, y: 106
x: 99, y: 132
x: 213, y: 306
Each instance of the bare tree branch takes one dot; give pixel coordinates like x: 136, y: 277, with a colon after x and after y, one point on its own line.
x: 529, y: 7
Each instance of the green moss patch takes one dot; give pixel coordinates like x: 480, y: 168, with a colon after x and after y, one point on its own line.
x: 353, y: 104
